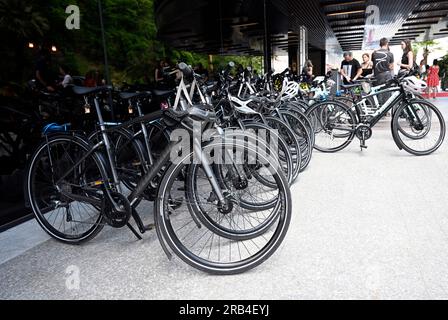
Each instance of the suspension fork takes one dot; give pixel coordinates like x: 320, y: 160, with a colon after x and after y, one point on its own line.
x: 197, y: 148
x: 234, y: 168
x: 410, y: 110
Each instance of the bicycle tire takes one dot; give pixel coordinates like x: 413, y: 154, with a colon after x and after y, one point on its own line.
x: 34, y: 202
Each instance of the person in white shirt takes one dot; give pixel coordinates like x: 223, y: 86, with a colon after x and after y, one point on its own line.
x: 67, y: 80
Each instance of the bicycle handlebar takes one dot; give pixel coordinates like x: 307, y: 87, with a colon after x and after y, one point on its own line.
x: 194, y: 113
x: 286, y: 71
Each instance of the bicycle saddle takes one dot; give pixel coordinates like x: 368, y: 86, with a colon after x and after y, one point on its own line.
x: 82, y: 91
x: 162, y: 93
x: 135, y: 95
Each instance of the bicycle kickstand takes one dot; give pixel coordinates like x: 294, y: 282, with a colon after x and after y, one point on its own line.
x: 139, y: 237
x: 140, y: 225
x: 363, y: 145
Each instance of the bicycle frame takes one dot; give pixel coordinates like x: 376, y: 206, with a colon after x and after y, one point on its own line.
x: 398, y: 95
x: 247, y: 86
x: 182, y: 95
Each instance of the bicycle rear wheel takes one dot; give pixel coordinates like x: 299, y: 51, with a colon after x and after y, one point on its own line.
x: 295, y: 149
x: 302, y: 116
x: 128, y: 153
x: 69, y: 210
x: 300, y: 130
x: 290, y: 164
x: 334, y: 126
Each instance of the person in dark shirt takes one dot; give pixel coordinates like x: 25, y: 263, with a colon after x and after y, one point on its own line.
x: 407, y: 60
x: 200, y: 70
x: 350, y: 68
x: 43, y: 70
x: 158, y: 73
x: 308, y: 72
x: 383, y: 65
x: 383, y: 62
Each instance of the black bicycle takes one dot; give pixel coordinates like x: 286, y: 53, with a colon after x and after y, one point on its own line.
x: 223, y: 216
x: 418, y: 127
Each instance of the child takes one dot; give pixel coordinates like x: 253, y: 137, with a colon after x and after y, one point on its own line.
x: 433, y: 79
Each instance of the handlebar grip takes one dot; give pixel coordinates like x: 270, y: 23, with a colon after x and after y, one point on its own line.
x: 285, y: 71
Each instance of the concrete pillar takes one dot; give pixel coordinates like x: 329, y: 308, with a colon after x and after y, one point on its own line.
x: 298, y: 48
x: 302, y: 52
x: 267, y: 45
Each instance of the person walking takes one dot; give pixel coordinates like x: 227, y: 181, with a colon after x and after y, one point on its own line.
x: 433, y: 79
x: 407, y: 60
x: 350, y: 68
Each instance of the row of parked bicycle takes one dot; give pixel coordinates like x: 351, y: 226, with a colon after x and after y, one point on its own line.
x: 217, y: 160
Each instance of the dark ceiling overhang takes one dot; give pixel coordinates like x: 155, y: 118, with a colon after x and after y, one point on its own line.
x: 237, y: 26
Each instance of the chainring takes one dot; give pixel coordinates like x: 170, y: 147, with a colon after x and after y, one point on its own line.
x: 115, y: 218
x: 363, y: 132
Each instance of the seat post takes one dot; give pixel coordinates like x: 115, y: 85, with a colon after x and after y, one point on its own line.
x: 145, y: 134
x: 107, y: 144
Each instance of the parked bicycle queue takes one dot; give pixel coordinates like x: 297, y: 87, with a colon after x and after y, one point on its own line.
x: 224, y: 213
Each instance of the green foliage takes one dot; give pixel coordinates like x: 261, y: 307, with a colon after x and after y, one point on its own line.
x: 131, y: 37
x: 19, y: 22
x: 443, y: 64
x: 256, y: 63
x: 428, y: 46
x: 20, y: 19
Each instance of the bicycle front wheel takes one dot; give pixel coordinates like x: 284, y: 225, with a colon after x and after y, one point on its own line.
x: 418, y: 127
x: 232, y: 239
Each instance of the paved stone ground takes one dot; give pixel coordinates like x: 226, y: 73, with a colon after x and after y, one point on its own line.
x: 370, y: 225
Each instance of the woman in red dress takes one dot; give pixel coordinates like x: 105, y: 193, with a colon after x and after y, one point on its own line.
x: 433, y: 79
